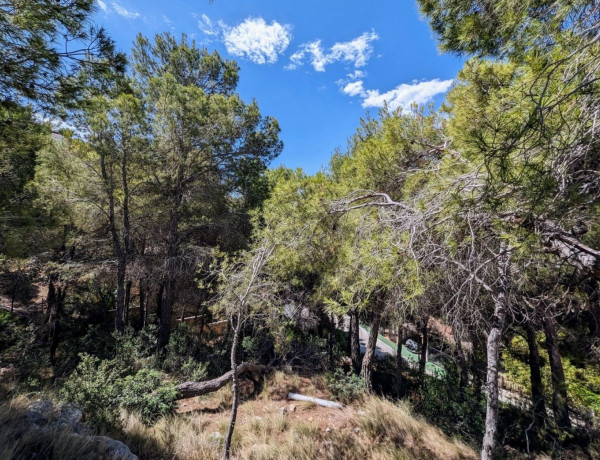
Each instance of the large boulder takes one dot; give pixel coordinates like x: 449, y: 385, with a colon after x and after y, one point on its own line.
x: 46, y: 419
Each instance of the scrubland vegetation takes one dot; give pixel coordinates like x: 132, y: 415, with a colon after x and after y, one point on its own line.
x: 149, y: 245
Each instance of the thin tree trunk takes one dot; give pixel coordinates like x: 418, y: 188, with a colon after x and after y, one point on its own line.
x: 463, y: 365
x: 168, y: 293
x: 235, y: 389
x: 537, y: 388
x: 142, y: 288
x: 493, y: 357
x: 367, y: 362
x: 127, y: 300
x: 560, y: 405
x: 355, y: 340
x: 424, y: 347
x: 55, y: 320
x: 399, y: 362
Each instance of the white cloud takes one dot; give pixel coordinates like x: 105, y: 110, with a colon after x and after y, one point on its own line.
x: 356, y: 75
x: 356, y: 52
x: 166, y: 19
x: 122, y: 11
x: 401, y: 96
x: 256, y: 40
x: 103, y: 6
x: 206, y: 25
x: 354, y: 88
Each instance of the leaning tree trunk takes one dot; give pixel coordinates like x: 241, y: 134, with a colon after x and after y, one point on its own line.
x: 560, y: 405
x: 367, y: 362
x: 355, y: 340
x: 537, y: 388
x: 399, y: 362
x: 493, y: 357
x: 235, y: 387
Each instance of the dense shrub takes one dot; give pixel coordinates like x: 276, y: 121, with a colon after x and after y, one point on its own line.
x: 345, y: 387
x: 458, y: 413
x: 102, y: 387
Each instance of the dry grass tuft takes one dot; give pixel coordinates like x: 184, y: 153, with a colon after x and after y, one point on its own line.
x: 385, y: 421
x: 20, y: 439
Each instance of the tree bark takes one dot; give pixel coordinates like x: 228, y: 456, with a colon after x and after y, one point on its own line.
x: 56, y: 300
x: 367, y: 362
x: 355, y: 341
x: 192, y: 389
x: 493, y: 356
x: 560, y: 405
x: 235, y: 389
x: 424, y: 347
x: 463, y: 365
x: 142, y: 289
x: 537, y: 388
x: 399, y: 362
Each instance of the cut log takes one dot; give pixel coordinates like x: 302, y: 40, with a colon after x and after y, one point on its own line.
x: 191, y: 389
x: 320, y: 402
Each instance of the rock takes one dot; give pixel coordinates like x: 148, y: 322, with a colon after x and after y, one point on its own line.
x: 292, y: 407
x: 258, y: 417
x: 40, y: 412
x: 283, y: 410
x: 110, y: 449
x: 44, y: 419
x: 216, y: 435
x: 310, y: 419
x: 69, y: 414
x: 357, y: 430
x: 328, y: 429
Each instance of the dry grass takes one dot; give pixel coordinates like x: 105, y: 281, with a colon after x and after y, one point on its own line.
x: 377, y: 429
x: 19, y: 440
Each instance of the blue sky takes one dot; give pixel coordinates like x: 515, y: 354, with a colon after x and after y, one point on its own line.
x: 315, y: 65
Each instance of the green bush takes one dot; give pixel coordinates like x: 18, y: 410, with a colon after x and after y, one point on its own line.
x: 345, y: 387
x: 95, y: 387
x: 193, y: 370
x: 145, y: 393
x: 458, y: 414
x: 102, y: 387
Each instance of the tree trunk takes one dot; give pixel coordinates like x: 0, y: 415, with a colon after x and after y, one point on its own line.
x: 127, y: 300
x: 120, y: 306
x: 235, y: 389
x: 424, y: 347
x: 168, y: 293
x: 367, y: 362
x: 192, y: 389
x: 399, y: 362
x: 142, y: 288
x: 355, y: 340
x: 493, y: 357
x: 166, y: 311
x: 560, y: 405
x: 56, y: 300
x: 537, y: 388
x: 463, y: 365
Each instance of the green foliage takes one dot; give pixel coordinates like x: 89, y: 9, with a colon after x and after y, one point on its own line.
x: 95, y: 387
x: 146, y: 393
x: 583, y: 382
x: 37, y: 62
x: 345, y: 387
x: 461, y: 413
x: 102, y: 387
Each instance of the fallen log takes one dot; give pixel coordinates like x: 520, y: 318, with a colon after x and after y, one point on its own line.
x: 320, y: 402
x: 191, y: 389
